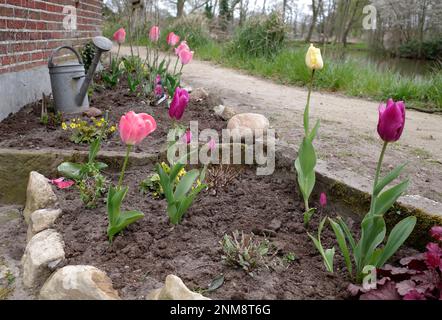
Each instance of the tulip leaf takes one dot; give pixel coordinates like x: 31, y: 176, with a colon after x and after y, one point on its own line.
x: 70, y: 170
x: 327, y: 255
x: 397, y: 237
x: 93, y: 149
x: 347, y: 232
x: 373, y: 232
x: 306, y: 182
x: 308, y: 216
x: 340, y: 237
x: 314, y: 132
x: 389, y: 197
x: 307, y: 156
x: 388, y: 179
x: 126, y: 218
x: 185, y: 184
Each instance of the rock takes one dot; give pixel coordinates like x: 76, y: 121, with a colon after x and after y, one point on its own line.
x: 247, y: 126
x: 9, y: 213
x: 42, y: 219
x: 199, y: 94
x: 275, y: 225
x: 39, y: 194
x: 78, y: 283
x: 93, y: 112
x: 43, y: 254
x: 174, y: 289
x: 225, y: 112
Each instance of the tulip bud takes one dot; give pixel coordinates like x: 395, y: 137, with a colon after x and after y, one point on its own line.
x: 183, y: 46
x: 211, y: 144
x: 172, y: 39
x: 154, y: 34
x: 120, y: 36
x: 179, y: 103
x: 187, y: 137
x: 134, y: 128
x: 391, y: 120
x: 323, y: 200
x: 313, y: 58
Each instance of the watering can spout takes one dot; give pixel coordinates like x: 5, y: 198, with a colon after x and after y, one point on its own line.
x: 102, y: 44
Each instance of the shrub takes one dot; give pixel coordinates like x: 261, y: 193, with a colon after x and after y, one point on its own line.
x: 87, y: 54
x: 193, y: 29
x: 431, y: 49
x: 260, y: 36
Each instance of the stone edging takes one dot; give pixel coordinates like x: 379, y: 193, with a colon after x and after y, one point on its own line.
x: 44, y: 257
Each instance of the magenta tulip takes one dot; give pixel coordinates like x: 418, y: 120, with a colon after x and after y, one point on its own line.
x: 154, y: 33
x: 187, y: 137
x: 391, y: 120
x: 183, y: 46
x: 211, y: 144
x: 185, y: 56
x: 179, y: 103
x: 172, y: 39
x: 134, y: 128
x: 120, y: 36
x: 323, y: 200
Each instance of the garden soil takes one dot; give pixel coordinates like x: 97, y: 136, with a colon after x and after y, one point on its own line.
x: 140, y: 258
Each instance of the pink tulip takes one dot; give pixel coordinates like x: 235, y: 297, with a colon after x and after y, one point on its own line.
x: 154, y: 34
x: 61, y: 183
x: 183, y: 46
x: 211, y: 144
x: 187, y: 137
x: 172, y: 39
x: 158, y: 90
x: 179, y: 103
x: 135, y: 127
x: 120, y: 36
x: 185, y: 56
x: 436, y: 233
x: 323, y: 200
x: 391, y: 120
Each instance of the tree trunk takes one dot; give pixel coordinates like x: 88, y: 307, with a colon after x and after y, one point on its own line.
x: 313, y: 23
x: 180, y: 8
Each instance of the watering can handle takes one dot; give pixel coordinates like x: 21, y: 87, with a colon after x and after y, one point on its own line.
x: 51, y: 63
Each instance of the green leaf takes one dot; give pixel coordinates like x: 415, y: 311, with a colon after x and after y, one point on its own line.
x: 100, y: 165
x: 126, y: 218
x: 388, y: 179
x: 114, y: 199
x: 327, y: 255
x: 314, y: 132
x: 93, y: 149
x: 165, y: 184
x: 307, y: 156
x: 308, y: 216
x: 373, y: 233
x: 306, y: 182
x: 185, y: 184
x: 340, y: 237
x: 175, y: 171
x: 397, y: 237
x: 70, y: 170
x: 347, y: 232
x: 186, y: 202
x: 389, y: 197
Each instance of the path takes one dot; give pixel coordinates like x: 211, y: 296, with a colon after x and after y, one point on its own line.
x: 348, y: 137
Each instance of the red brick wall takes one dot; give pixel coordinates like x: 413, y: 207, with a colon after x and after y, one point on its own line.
x: 31, y: 29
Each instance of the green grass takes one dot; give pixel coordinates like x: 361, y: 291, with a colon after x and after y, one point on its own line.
x: 351, y: 78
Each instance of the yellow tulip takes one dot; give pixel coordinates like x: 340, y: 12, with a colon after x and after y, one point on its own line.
x: 313, y: 59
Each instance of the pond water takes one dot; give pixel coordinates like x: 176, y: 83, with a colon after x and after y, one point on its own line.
x: 406, y: 67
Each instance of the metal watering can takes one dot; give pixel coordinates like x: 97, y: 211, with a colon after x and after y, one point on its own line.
x: 70, y: 83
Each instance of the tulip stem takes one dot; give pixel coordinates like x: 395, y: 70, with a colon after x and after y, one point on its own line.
x: 118, y: 53
x: 307, y: 107
x: 376, y: 178
x: 126, y: 159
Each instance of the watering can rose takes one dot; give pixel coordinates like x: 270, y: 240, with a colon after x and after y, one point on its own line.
x: 179, y: 103
x: 391, y: 120
x: 134, y: 127
x: 120, y: 36
x: 313, y: 58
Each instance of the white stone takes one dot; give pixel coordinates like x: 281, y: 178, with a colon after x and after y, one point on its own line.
x: 43, y: 254
x: 225, y: 112
x: 199, y: 94
x: 174, y: 289
x: 247, y: 126
x: 39, y: 194
x: 78, y: 283
x: 41, y: 220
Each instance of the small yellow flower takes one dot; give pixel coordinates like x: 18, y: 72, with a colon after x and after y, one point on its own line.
x: 313, y: 58
x: 113, y: 129
x: 98, y: 124
x: 72, y: 125
x: 64, y: 126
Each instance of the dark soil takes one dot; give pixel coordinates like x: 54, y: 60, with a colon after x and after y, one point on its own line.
x: 23, y: 130
x: 139, y: 260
